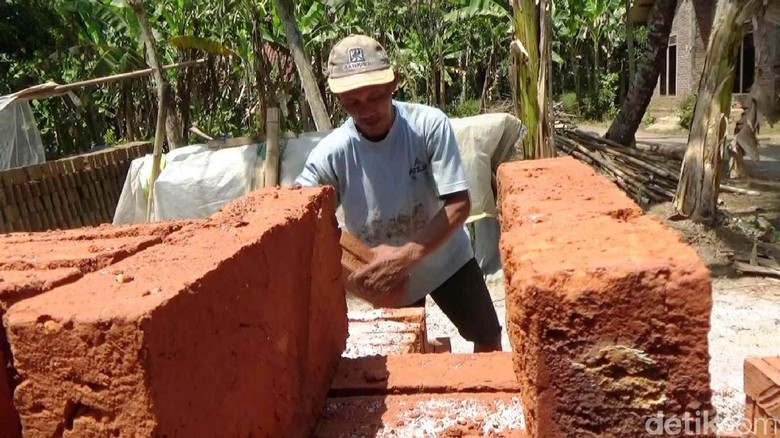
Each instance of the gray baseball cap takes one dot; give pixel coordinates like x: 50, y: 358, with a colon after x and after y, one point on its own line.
x: 358, y: 61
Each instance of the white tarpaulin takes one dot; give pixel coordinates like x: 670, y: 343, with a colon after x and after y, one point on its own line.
x: 195, y: 182
x: 20, y: 139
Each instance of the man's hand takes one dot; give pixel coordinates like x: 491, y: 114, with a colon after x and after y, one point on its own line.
x: 388, y: 272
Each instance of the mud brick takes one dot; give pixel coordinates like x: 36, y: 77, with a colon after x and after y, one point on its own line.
x: 560, y: 190
x: 608, y: 315
x: 425, y: 373
x: 406, y: 314
x: 355, y: 254
x: 14, y: 287
x: 385, y: 343
x: 205, y: 334
x: 762, y: 388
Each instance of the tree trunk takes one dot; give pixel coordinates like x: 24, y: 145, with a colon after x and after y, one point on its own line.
x: 129, y: 113
x: 162, y: 92
x: 697, y: 191
x: 630, y: 42
x: 173, y: 125
x: 464, y: 60
x: 577, y: 82
x: 530, y: 52
x: 294, y: 40
x: 486, y: 83
x: 648, y: 68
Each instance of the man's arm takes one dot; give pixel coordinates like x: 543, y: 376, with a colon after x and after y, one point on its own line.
x: 449, y: 219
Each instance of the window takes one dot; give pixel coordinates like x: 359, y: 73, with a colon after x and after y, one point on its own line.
x: 668, y: 79
x: 745, y: 73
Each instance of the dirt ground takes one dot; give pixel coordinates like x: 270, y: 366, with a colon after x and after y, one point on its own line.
x: 745, y: 317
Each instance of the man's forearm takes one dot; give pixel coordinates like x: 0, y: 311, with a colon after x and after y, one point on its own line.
x: 440, y: 228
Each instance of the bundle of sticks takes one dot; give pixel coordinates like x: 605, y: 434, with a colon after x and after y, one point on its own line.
x: 644, y: 175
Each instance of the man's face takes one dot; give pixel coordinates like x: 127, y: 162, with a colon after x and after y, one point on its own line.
x: 371, y: 108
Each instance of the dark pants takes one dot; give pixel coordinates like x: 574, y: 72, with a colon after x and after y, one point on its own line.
x: 465, y: 299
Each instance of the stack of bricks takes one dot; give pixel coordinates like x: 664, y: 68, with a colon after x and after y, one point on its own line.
x: 423, y: 395
x: 230, y: 326
x: 386, y: 332
x: 607, y: 309
x: 762, y: 391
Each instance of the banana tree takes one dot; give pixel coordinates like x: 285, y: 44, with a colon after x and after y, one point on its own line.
x: 530, y: 75
x: 761, y: 105
x: 697, y: 191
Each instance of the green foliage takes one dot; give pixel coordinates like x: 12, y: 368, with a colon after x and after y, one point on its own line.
x: 648, y: 119
x: 685, y: 111
x: 569, y: 103
x: 602, y: 104
x: 249, y: 68
x: 463, y: 109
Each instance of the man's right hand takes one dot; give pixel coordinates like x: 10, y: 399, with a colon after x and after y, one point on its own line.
x: 392, y: 297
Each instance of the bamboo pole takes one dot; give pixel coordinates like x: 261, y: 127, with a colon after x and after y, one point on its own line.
x: 58, y: 90
x: 272, y: 148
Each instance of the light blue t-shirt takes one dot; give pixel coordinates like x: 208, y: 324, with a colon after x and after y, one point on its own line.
x: 390, y: 189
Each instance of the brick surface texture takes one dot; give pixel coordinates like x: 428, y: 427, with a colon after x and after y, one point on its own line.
x: 231, y: 326
x: 423, y: 395
x: 607, y: 310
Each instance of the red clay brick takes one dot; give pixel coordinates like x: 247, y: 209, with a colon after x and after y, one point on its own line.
x: 425, y: 373
x: 14, y: 287
x: 208, y: 334
x: 559, y: 190
x: 608, y: 318
x: 409, y: 340
x: 406, y: 314
x: 87, y: 249
x: 18, y: 285
x: 33, y: 263
x: 762, y: 387
x: 495, y: 414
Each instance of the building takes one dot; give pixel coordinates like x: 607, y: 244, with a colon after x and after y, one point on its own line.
x: 687, y: 51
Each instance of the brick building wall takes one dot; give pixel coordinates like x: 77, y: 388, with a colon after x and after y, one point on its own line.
x: 690, y: 33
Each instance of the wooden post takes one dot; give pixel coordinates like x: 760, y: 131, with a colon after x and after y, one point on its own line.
x: 272, y: 148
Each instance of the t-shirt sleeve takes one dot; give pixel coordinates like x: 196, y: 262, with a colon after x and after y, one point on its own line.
x: 446, y: 162
x: 319, y: 169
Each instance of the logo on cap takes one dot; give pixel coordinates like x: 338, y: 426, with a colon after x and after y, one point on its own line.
x: 356, y: 55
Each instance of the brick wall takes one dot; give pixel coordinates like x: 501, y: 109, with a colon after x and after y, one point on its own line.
x: 692, y: 27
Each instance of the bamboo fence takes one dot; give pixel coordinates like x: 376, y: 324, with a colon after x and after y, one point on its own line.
x: 68, y: 193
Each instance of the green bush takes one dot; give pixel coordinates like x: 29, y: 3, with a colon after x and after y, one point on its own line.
x: 601, y: 105
x: 463, y: 109
x: 648, y: 120
x: 685, y: 111
x: 569, y: 103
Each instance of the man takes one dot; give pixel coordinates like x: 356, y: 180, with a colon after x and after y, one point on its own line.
x: 400, y: 182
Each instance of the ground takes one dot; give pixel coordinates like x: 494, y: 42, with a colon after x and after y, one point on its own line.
x: 745, y: 317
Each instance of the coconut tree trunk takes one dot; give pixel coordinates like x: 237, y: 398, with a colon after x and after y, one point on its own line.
x: 648, y: 68
x: 285, y: 10
x: 530, y: 54
x: 630, y: 43
x: 697, y: 191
